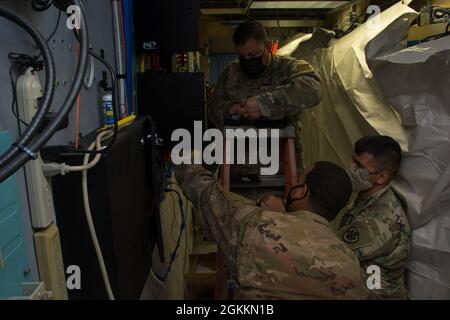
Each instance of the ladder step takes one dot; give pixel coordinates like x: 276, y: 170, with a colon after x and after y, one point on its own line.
x: 277, y: 181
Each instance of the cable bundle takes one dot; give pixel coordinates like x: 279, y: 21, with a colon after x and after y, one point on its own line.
x: 29, y: 144
x: 22, y: 62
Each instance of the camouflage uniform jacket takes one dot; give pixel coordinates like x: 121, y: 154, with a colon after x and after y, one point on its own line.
x: 378, y: 231
x: 286, y: 88
x: 273, y: 255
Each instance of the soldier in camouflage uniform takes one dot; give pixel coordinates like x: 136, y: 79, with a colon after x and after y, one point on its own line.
x: 261, y: 84
x: 272, y: 255
x: 286, y: 88
x: 374, y: 224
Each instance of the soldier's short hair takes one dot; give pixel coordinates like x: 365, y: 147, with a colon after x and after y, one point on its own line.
x: 329, y: 188
x: 250, y: 30
x: 384, y: 149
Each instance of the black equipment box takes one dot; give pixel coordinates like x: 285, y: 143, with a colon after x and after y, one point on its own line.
x: 120, y: 198
x: 166, y: 26
x: 173, y: 100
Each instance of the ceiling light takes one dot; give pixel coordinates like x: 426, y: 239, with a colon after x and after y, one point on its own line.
x: 297, y: 4
x: 221, y: 11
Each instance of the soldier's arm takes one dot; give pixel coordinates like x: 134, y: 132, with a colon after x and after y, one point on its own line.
x: 369, y: 238
x: 224, y: 214
x: 219, y: 103
x: 302, y: 92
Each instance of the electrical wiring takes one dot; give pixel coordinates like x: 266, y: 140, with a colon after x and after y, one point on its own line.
x: 77, y: 112
x: 343, y: 30
x: 68, y: 150
x: 76, y: 151
x: 63, y: 5
x: 41, y: 5
x: 50, y: 78
x: 52, y: 169
x: 174, y: 254
x: 172, y: 228
x: 77, y: 121
x: 31, y: 142
x: 57, y: 168
x: 438, y: 36
x: 21, y: 153
x: 50, y: 37
x: 14, y: 106
x: 88, y: 213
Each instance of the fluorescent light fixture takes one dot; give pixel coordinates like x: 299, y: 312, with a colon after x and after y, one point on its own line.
x: 221, y: 11
x: 283, y: 23
x: 297, y: 4
x: 292, y: 23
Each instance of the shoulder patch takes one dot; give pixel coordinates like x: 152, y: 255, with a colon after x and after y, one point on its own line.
x: 351, y: 235
x: 356, y: 235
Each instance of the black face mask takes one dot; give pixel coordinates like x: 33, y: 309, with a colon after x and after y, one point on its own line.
x: 253, y: 67
x: 290, y: 200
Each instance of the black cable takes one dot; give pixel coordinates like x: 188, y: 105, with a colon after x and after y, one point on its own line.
x: 69, y: 150
x: 54, y: 30
x: 353, y: 25
x: 173, y: 256
x: 63, y: 5
x: 341, y: 33
x: 14, y: 106
x: 19, y: 130
x: 437, y: 36
x: 28, y: 151
x: 56, y: 27
x: 41, y: 5
x: 105, y: 150
x: 23, y: 61
x: 50, y: 79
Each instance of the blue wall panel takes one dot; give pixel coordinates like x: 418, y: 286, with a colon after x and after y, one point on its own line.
x: 12, y: 245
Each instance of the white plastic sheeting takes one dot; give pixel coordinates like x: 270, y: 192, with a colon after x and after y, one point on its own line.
x: 374, y: 84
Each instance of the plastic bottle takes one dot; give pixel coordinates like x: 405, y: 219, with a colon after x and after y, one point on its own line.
x: 107, y: 105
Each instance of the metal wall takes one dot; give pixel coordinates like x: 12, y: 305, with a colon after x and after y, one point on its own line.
x: 64, y: 47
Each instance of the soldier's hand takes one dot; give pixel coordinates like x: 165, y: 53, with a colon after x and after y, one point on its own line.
x: 272, y: 203
x: 250, y: 109
x: 235, y: 109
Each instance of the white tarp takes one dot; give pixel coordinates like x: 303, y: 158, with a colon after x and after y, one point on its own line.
x: 374, y: 84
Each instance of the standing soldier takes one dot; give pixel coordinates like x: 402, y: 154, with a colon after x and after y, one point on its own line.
x: 262, y: 85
